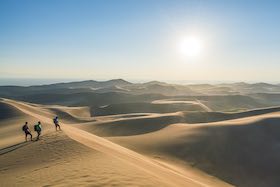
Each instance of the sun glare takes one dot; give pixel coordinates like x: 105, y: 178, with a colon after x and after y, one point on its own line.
x: 190, y: 46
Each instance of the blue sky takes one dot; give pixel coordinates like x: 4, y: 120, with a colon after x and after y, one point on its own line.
x: 138, y: 39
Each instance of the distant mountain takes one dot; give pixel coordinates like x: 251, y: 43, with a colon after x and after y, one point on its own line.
x: 245, y: 88
x: 153, y: 87
x: 87, y: 84
x: 155, y: 82
x: 118, y: 95
x: 162, y: 88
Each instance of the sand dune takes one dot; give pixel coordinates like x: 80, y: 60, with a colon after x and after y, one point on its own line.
x: 8, y: 111
x: 195, y: 102
x: 59, y: 160
x: 135, y: 124
x: 71, y: 114
x: 148, y: 149
x: 144, y: 107
x: 11, y: 121
x: 243, y: 152
x: 121, y: 97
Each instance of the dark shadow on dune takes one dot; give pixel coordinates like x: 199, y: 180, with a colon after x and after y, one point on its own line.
x: 66, y: 116
x: 7, y: 111
x: 206, y: 117
x: 144, y: 107
x: 133, y: 115
x: 12, y: 147
x: 131, y: 126
x: 243, y: 155
x: 136, y: 126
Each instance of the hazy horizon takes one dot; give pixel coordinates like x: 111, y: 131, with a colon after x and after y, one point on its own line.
x: 34, y: 81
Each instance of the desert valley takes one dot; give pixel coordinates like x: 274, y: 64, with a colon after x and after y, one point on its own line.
x: 117, y: 133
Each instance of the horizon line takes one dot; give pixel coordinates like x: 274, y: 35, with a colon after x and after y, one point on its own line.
x: 48, y: 81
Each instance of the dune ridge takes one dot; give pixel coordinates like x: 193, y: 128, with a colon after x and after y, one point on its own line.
x: 177, y: 149
x: 166, y: 176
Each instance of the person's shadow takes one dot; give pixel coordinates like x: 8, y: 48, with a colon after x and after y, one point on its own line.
x: 12, y: 148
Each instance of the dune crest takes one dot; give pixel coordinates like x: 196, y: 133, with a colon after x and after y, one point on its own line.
x: 173, y: 149
x: 157, y: 174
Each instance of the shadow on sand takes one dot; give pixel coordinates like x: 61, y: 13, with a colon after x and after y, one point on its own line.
x: 12, y: 147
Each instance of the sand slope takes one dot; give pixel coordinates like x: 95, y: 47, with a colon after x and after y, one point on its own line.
x: 175, y: 148
x: 11, y: 121
x: 57, y: 160
x: 89, y: 160
x: 244, y: 151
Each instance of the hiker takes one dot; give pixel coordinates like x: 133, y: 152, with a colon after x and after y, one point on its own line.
x: 26, y: 130
x: 55, y: 121
x: 38, y: 129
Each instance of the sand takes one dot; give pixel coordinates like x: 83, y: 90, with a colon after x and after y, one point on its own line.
x: 76, y: 157
x: 139, y: 149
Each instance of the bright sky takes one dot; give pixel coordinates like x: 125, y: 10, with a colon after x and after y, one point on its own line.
x: 235, y: 40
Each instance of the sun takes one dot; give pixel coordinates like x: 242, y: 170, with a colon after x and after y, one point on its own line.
x: 190, y: 46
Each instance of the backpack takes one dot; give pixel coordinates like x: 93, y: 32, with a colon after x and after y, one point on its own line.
x: 55, y: 121
x: 23, y: 128
x: 37, y: 128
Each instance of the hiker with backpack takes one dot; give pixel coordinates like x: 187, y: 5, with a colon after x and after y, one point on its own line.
x: 55, y: 121
x: 38, y: 129
x: 26, y: 130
